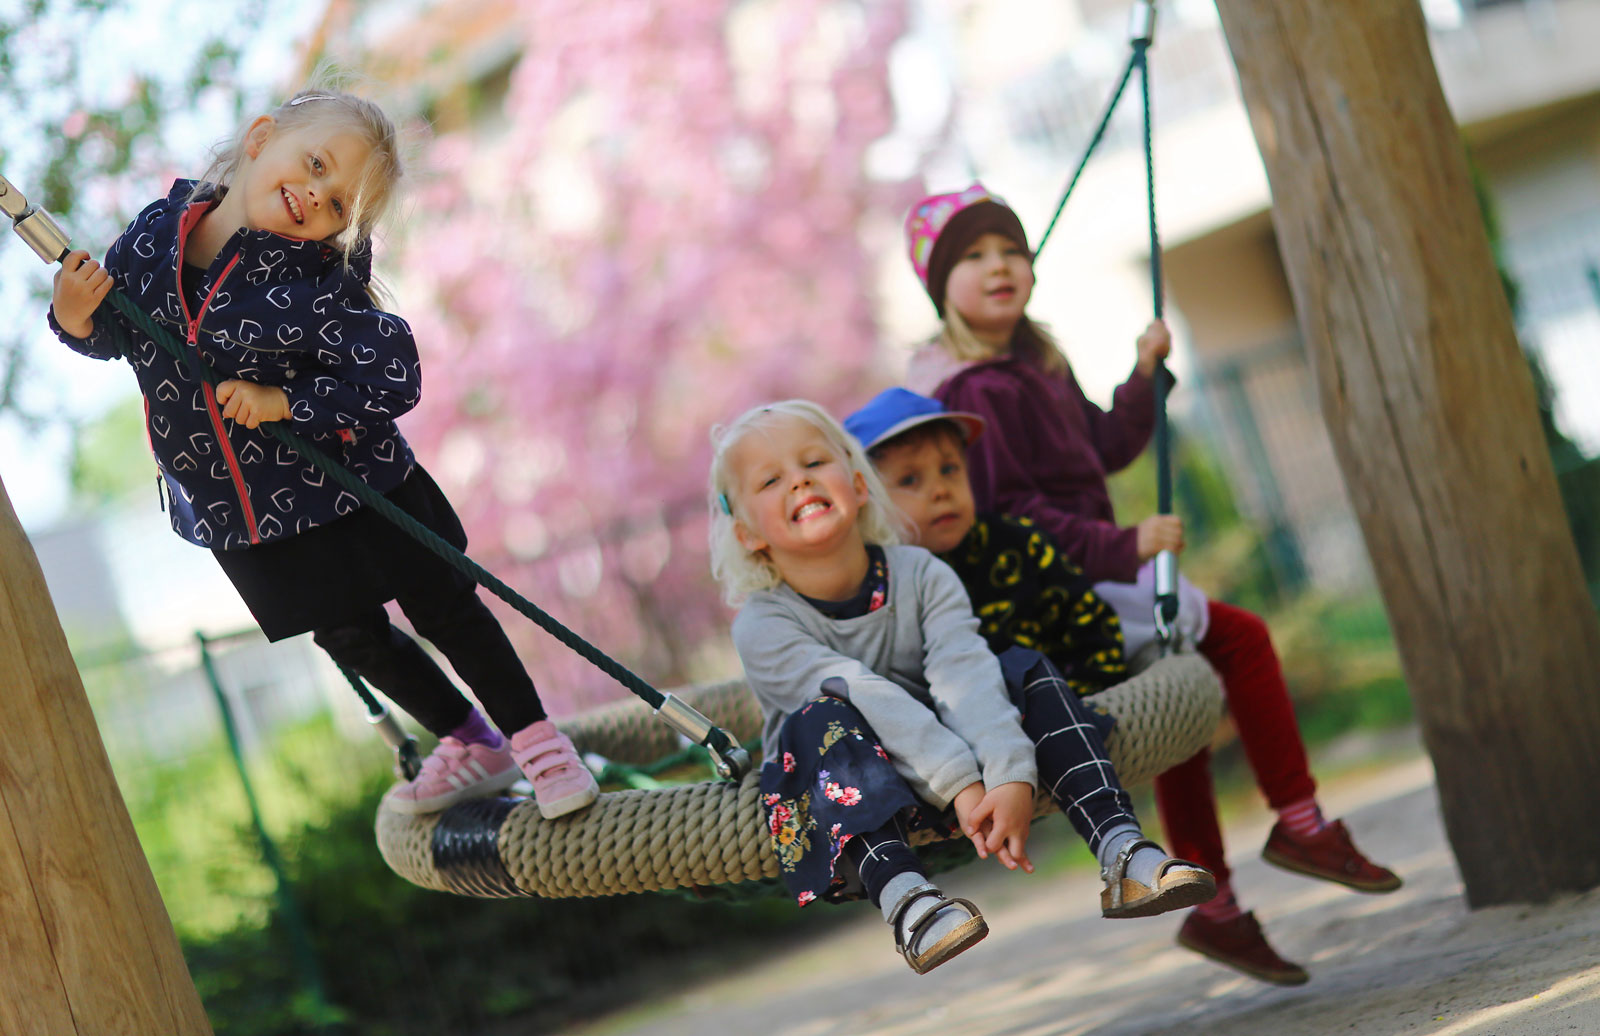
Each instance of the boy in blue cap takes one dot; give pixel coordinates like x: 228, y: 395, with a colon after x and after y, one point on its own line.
x: 1024, y: 591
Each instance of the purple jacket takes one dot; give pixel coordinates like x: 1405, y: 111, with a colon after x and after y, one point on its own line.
x: 1047, y: 452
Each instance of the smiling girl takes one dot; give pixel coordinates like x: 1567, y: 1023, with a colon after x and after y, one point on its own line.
x: 262, y: 266
x: 884, y: 707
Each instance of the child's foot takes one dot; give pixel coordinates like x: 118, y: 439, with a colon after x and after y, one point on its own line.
x: 562, y: 784
x: 930, y: 928
x: 1240, y: 944
x: 454, y: 772
x: 1169, y: 885
x: 1329, y: 854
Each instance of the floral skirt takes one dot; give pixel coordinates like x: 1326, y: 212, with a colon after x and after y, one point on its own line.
x: 826, y: 781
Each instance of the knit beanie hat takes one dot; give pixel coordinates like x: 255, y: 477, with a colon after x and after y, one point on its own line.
x: 940, y: 227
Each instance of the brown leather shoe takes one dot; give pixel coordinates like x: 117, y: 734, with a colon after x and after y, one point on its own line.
x: 1241, y: 945
x: 1329, y: 855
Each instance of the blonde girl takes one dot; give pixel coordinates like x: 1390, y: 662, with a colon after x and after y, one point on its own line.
x: 262, y: 266
x: 884, y: 708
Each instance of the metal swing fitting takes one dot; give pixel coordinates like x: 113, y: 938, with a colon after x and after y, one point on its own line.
x: 1142, y: 22
x: 1166, y: 606
x: 688, y: 721
x: 407, y: 758
x: 33, y: 224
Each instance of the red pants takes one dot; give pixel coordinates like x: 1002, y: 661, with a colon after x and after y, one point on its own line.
x: 1239, y: 647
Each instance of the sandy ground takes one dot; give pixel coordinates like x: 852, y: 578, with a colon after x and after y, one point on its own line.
x: 1415, y: 961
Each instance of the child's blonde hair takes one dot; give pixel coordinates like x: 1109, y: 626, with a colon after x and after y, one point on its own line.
x: 742, y: 572
x: 373, y: 189
x: 1030, y: 340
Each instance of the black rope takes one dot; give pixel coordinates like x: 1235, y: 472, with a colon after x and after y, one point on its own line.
x: 717, y: 739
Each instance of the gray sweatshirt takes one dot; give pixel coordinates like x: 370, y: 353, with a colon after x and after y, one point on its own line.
x: 916, y: 669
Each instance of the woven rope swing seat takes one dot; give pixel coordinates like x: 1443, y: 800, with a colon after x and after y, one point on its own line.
x: 714, y: 833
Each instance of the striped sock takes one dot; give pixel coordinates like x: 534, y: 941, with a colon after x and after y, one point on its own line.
x: 1302, y: 819
x: 1222, y: 907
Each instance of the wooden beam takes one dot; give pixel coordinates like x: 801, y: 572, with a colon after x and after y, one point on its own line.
x: 87, y: 945
x: 1428, y: 400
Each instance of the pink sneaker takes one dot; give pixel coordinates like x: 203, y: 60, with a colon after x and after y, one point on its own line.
x: 561, y: 783
x: 454, y: 772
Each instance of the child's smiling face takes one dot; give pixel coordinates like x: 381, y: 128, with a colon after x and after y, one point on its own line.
x: 990, y: 285
x: 794, y: 497
x: 927, y: 479
x: 298, y: 182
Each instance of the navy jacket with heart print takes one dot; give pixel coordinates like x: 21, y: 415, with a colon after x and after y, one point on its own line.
x: 282, y: 312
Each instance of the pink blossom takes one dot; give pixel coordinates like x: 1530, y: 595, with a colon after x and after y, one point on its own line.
x: 597, y: 283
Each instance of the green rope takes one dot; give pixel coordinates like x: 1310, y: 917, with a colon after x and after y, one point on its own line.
x: 1094, y: 142
x: 717, y: 739
x: 1167, y: 602
x: 1138, y: 59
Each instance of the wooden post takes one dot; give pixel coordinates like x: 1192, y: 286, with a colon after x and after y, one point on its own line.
x: 1431, y: 410
x: 86, y: 944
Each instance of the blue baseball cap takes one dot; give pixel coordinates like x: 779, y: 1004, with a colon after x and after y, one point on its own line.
x: 897, y: 410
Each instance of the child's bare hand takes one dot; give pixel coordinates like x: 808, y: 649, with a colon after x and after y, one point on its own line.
x: 81, y: 284
x: 967, y: 800
x: 1007, y: 812
x: 1154, y: 345
x: 251, y: 404
x: 1160, y: 532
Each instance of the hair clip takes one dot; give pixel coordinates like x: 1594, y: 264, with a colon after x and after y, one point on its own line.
x: 312, y: 97
x: 722, y: 498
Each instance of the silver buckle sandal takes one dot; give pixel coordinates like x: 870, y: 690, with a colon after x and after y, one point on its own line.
x: 969, y: 933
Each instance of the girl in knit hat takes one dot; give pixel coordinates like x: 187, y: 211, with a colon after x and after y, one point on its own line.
x: 1046, y: 456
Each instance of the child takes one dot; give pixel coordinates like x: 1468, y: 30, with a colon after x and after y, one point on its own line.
x: 1024, y: 590
x: 263, y: 266
x: 1046, y: 456
x: 883, y: 706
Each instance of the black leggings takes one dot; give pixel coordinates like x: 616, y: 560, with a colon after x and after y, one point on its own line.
x: 456, y: 621
x: 1074, y: 768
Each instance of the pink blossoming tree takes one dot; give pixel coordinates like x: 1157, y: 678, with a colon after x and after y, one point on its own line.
x: 660, y: 227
